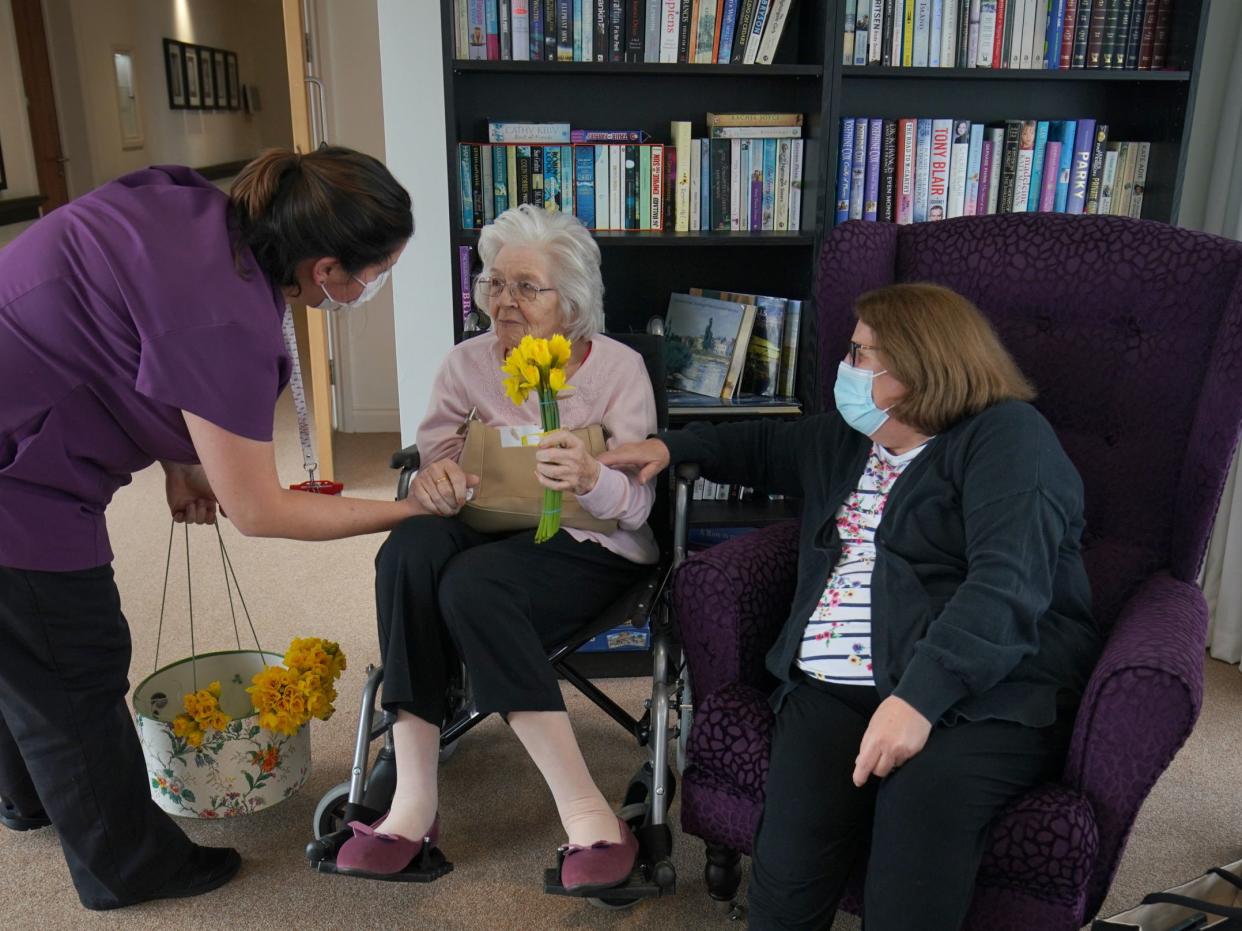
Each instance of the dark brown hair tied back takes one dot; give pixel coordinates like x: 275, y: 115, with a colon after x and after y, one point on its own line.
x: 335, y: 202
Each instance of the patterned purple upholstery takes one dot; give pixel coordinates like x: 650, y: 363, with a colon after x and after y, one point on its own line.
x: 1132, y: 332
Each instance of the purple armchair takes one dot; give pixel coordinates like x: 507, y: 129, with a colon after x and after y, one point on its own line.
x: 1132, y: 332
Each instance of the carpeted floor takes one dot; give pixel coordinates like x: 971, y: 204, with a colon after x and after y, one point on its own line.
x: 499, y: 825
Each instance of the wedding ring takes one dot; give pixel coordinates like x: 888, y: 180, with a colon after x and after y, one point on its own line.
x: 441, y: 479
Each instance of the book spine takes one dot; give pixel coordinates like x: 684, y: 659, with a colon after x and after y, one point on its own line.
x: 935, y: 34
x: 845, y: 169
x: 1134, y: 40
x: 658, y: 165
x: 681, y: 200
x: 1048, y: 182
x: 998, y: 39
x: 632, y: 182
x: 974, y: 162
x: 1081, y: 169
x: 922, y: 32
x: 756, y: 32
x: 1082, y: 33
x: 743, y: 177
x: 922, y: 169
x: 756, y: 185
x: 906, y: 142
x: 1052, y: 36
x: 1108, y: 44
x: 465, y: 262
x: 746, y: 20
x: 1037, y: 167
x: 1147, y: 37
x: 958, y: 164
x: 754, y: 132
x: 511, y: 174
x: 491, y: 20
x: 985, y: 174
x: 796, y: 161
x: 1069, y: 130
x: 735, y: 184
x: 889, y: 52
x: 486, y: 186
x: 1038, y: 35
x: 1110, y: 178
x: 616, y: 30
x: 1096, y: 178
x: 644, y: 187
x: 728, y: 25
x: 599, y: 30
x: 668, y: 170
x: 967, y: 34
x: 536, y: 30
x: 529, y: 133
x: 461, y: 30
x: 907, y: 35
x: 465, y: 191
x: 1124, y: 183
x: 551, y: 158
x: 948, y: 34
x: 1009, y: 165
x: 476, y: 18
x: 769, y: 184
x: 938, y: 169
x: 476, y: 186
x: 1068, y: 30
x: 567, y: 179
x: 994, y: 174
x: 1160, y: 42
x: 584, y: 184
x: 847, y: 39
x: 504, y: 21
x: 1095, y: 34
x: 635, y: 29
x: 778, y: 14
x: 858, y: 171
x: 602, y: 209
x: 720, y: 150
x: 500, y: 179
x: 670, y: 19
x: 887, y: 211
x: 519, y: 30
x: 764, y: 119
x: 987, y: 33
x: 616, y: 187
x: 653, y: 30
x: 780, y: 208
x: 696, y: 180
x: 1141, y: 157
x: 875, y: 28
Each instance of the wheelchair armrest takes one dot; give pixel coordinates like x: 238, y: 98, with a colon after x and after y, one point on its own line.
x: 405, y: 458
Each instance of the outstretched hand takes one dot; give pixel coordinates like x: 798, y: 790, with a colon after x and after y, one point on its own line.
x: 896, y: 733
x: 647, y: 458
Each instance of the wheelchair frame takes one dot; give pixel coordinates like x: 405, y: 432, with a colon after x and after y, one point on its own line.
x: 667, y: 714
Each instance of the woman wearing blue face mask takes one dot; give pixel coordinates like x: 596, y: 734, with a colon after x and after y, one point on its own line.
x: 143, y: 323
x: 941, y: 632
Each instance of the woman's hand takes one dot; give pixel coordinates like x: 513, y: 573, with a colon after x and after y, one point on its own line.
x: 563, y: 463
x: 440, y: 488
x: 896, y: 733
x: 190, y: 497
x: 648, y: 458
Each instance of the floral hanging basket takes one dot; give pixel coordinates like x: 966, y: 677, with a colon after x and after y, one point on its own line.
x: 235, y: 770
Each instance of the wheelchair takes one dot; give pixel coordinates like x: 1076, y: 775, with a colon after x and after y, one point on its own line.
x: 665, y: 717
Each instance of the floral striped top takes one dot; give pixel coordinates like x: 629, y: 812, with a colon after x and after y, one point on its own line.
x: 836, y: 644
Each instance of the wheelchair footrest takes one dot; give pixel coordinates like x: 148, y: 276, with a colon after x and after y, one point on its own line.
x: 640, y: 885
x: 429, y: 865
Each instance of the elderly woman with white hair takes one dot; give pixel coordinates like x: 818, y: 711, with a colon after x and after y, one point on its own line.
x: 444, y: 589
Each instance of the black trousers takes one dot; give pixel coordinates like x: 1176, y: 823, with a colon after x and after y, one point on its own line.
x: 67, y: 739
x: 926, y: 822
x: 443, y: 590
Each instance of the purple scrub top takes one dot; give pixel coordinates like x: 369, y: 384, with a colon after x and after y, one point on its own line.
x: 119, y: 311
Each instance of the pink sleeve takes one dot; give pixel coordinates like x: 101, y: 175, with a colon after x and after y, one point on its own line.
x: 437, y: 436
x: 630, y: 416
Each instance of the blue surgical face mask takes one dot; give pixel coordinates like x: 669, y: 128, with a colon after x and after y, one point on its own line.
x: 369, y: 290
x: 852, y: 393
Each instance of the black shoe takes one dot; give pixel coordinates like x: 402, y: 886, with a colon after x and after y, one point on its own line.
x: 14, y: 820
x: 206, y: 869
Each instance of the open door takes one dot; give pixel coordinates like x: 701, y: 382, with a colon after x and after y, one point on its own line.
x: 316, y: 366
x: 40, y: 103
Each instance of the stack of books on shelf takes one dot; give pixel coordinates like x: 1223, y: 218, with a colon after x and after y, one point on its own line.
x: 723, y: 345
x: 746, y: 176
x: 911, y: 170
x: 704, y: 32
x: 610, y: 180
x: 1039, y: 34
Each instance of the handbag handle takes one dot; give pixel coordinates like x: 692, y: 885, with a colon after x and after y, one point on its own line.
x: 1172, y: 898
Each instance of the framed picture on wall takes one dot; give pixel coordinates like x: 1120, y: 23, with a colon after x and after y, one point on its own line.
x: 221, y: 79
x: 174, y: 73
x: 234, y: 82
x: 206, y: 79
x: 193, y: 93
x: 129, y: 111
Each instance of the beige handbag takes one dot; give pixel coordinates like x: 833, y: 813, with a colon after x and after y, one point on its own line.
x: 508, y: 496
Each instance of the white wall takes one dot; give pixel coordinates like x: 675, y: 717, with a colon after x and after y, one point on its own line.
x: 411, y: 66
x: 82, y: 35
x: 364, y: 339
x: 1209, y: 129
x: 19, y: 165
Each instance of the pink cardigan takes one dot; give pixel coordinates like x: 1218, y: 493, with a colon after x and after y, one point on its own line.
x: 611, y: 388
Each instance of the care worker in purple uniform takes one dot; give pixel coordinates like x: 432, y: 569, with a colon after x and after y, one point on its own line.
x: 142, y: 323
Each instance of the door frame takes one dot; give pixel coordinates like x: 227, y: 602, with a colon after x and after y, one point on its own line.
x: 36, y: 68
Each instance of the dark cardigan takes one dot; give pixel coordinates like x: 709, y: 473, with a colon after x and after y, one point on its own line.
x: 981, y: 606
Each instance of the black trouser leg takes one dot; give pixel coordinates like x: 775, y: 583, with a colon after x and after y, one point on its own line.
x: 815, y: 820
x: 63, y: 685
x: 507, y: 602
x: 15, y: 782
x: 417, y: 652
x: 932, y: 817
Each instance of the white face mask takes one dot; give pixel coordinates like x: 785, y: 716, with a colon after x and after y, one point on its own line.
x: 369, y: 290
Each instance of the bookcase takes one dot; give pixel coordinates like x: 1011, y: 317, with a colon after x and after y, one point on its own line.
x: 641, y: 269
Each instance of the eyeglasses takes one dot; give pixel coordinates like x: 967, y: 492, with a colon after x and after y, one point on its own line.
x: 523, y: 291
x: 855, y: 348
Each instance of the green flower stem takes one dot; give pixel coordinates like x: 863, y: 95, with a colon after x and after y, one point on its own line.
x: 550, y: 415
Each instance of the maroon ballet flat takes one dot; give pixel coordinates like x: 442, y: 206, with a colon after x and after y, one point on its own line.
x: 603, y: 865
x: 372, y: 854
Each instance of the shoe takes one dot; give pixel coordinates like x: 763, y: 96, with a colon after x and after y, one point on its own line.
x: 14, y: 820
x: 601, y: 866
x: 207, y: 868
x: 375, y: 855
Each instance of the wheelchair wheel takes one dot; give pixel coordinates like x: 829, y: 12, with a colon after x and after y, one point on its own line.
x: 613, y: 905
x: 330, y: 812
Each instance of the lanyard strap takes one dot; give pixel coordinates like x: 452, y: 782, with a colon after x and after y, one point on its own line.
x: 296, y: 388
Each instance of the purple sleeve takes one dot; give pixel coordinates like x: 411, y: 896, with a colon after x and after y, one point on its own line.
x: 227, y: 374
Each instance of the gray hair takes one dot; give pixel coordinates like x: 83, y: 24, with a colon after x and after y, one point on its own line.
x: 574, y: 261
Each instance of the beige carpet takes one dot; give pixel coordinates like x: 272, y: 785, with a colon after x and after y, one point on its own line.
x: 500, y: 827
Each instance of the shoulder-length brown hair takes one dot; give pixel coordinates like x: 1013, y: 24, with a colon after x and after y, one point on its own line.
x: 938, y: 344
